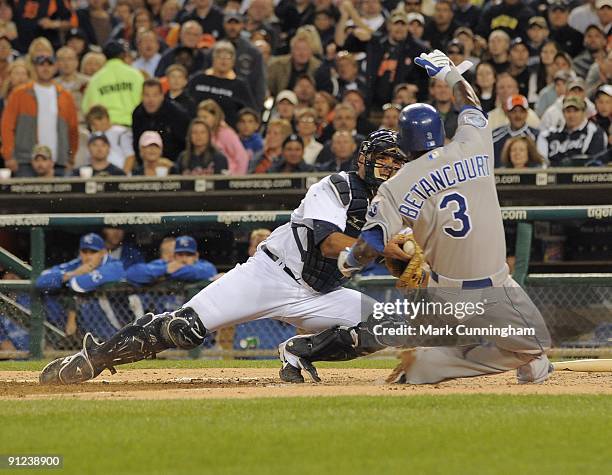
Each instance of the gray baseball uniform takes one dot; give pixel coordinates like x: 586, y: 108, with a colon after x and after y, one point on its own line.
x: 449, y: 200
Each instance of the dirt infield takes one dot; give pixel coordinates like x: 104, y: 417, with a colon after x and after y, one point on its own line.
x: 229, y: 383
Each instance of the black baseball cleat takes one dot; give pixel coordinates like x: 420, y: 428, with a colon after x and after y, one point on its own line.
x: 290, y: 374
x: 77, y: 368
x: 310, y: 369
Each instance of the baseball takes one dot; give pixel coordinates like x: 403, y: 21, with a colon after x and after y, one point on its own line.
x: 409, y: 248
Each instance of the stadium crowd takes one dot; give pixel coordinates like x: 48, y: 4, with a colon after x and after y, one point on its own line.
x: 154, y: 87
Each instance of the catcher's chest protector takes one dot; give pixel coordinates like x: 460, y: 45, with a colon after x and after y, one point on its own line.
x: 321, y: 273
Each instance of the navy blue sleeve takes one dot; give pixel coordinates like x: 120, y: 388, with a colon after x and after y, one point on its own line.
x: 322, y: 229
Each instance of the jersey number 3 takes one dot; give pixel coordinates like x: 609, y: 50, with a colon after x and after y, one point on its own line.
x: 462, y: 226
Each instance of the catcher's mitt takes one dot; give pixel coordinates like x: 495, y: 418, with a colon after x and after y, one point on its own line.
x: 410, y: 274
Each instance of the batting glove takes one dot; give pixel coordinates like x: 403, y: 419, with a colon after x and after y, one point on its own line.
x: 347, y: 264
x: 438, y: 65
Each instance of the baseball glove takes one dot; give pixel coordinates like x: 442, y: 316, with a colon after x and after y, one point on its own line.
x: 411, y: 274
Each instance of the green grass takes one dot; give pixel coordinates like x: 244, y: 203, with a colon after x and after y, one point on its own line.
x: 344, y: 435
x: 172, y: 364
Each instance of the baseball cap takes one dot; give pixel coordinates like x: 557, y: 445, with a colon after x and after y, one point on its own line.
x: 603, y: 3
x: 558, y: 5
x: 185, y: 244
x: 458, y: 31
x: 293, y: 138
x: 91, y: 241
x: 235, y: 16
x: 455, y: 47
x: 564, y: 75
x: 574, y: 101
x: 41, y: 151
x: 76, y: 33
x: 399, y: 15
x: 98, y: 136
x: 518, y: 41
x: 538, y: 21
x: 115, y: 48
x: 340, y: 55
x: 287, y: 95
x: 415, y: 16
x: 576, y: 82
x: 605, y: 89
x: 517, y: 100
x: 150, y: 137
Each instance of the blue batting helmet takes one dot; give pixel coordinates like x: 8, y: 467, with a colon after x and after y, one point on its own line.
x: 420, y: 128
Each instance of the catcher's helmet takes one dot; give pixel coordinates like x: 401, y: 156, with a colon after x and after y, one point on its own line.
x: 420, y: 128
x: 380, y: 143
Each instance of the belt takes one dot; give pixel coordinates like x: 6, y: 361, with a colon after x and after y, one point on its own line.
x: 275, y: 258
x: 469, y: 284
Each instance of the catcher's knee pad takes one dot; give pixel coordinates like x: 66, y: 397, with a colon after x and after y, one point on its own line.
x: 333, y: 344
x: 183, y: 329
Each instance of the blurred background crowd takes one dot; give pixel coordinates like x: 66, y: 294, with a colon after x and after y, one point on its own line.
x: 154, y: 87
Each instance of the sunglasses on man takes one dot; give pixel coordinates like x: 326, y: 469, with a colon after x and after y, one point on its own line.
x: 40, y: 60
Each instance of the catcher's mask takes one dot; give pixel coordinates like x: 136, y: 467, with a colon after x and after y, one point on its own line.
x: 381, y: 157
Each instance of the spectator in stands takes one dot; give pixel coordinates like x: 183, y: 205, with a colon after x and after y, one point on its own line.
x: 120, y: 138
x: 123, y: 12
x: 43, y: 18
x: 249, y: 66
x: 416, y: 27
x: 520, y: 152
x: 167, y: 18
x: 292, y: 157
x: 256, y: 237
x: 150, y: 147
x: 467, y: 14
x: 390, y: 119
x: 69, y: 77
x: 7, y: 25
x: 566, y: 37
x: 147, y: 44
x: 345, y: 119
x: 96, y: 22
x: 516, y: 110
x: 39, y: 112
x: 248, y: 131
x: 456, y: 53
x: 556, y: 89
x: 42, y: 163
x: 340, y: 76
x: 224, y: 138
x: 305, y: 91
x: 6, y: 56
x: 284, y: 70
x: 512, y: 16
x: 519, y: 60
x: 221, y: 84
x: 442, y: 100
x: 325, y: 23
x: 186, y: 266
x: 405, y: 94
x: 537, y: 37
x: 439, y: 32
x: 553, y: 118
x: 604, y: 13
x: 178, y: 77
x: 157, y: 112
x: 208, y: 15
x: 499, y: 50
x: 390, y: 61
x: 76, y: 39
x: 594, y: 50
x: 545, y: 69
x: 278, y: 130
x: 92, y: 63
x: 583, y: 16
x: 93, y: 268
x: 578, y: 142
x: 306, y: 124
x: 356, y: 99
x: 600, y: 73
x: 118, y: 248
x: 505, y: 87
x: 141, y: 21
x: 117, y: 86
x: 17, y: 74
x: 343, y: 148
x: 466, y: 37
x: 190, y: 35
x: 200, y: 156
x: 260, y: 18
x: 99, y: 149
x: 603, y: 104
x: 486, y: 78
x: 324, y: 104
x: 285, y: 104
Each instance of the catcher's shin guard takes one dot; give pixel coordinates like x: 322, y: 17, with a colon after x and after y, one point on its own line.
x: 147, y: 336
